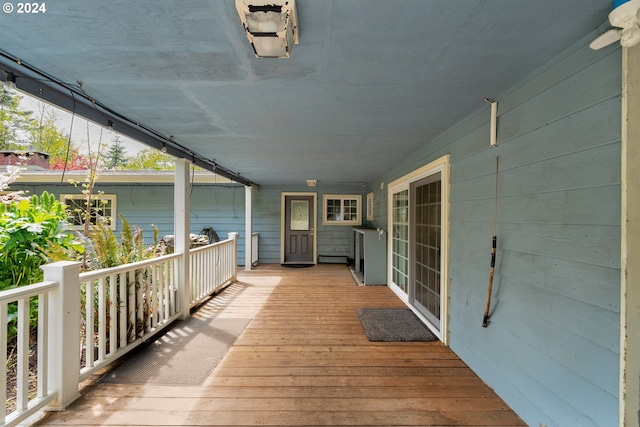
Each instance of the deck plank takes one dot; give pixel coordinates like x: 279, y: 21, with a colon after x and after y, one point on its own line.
x: 304, y: 360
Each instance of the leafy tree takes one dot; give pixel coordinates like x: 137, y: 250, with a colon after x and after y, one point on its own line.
x: 115, y: 157
x: 76, y: 162
x: 151, y: 159
x: 14, y: 122
x: 47, y: 138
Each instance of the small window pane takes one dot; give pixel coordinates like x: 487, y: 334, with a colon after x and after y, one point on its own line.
x: 299, y: 215
x: 101, y: 208
x: 342, y: 210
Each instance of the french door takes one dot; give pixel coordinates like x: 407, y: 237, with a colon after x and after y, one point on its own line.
x: 418, y: 251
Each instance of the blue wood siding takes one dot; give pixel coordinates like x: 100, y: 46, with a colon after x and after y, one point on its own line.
x: 219, y: 207
x: 552, y: 346
x: 332, y: 239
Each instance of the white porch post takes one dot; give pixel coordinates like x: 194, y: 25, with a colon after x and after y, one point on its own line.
x: 64, y: 326
x: 248, y: 228
x: 630, y: 244
x: 181, y: 201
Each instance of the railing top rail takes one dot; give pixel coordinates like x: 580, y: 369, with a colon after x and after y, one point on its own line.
x: 27, y: 291
x: 91, y: 275
x: 210, y: 245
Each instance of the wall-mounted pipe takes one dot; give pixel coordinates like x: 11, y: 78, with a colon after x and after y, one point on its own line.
x: 493, y: 131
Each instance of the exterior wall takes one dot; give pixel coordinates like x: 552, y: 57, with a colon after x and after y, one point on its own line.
x: 552, y: 346
x: 218, y: 206
x: 332, y: 240
x: 221, y: 207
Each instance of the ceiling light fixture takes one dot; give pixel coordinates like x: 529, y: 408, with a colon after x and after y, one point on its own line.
x: 312, y: 182
x: 271, y: 26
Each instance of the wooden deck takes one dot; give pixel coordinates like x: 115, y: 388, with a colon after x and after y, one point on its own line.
x: 304, y: 360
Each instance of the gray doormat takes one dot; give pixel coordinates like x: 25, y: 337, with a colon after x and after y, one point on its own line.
x: 185, y: 355
x: 393, y: 325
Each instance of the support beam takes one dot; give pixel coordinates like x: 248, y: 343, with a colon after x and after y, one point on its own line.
x: 248, y: 228
x: 182, y: 240
x: 630, y: 254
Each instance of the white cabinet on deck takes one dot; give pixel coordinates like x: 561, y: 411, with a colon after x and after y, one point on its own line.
x: 370, y: 256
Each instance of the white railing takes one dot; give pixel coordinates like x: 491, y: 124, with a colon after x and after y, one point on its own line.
x: 104, y: 313
x: 212, y: 267
x: 26, y: 400
x: 123, y: 306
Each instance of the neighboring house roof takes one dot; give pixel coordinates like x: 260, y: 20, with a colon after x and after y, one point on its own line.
x: 32, y: 176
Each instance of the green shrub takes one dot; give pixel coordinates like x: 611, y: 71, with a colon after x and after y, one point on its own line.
x: 33, y: 232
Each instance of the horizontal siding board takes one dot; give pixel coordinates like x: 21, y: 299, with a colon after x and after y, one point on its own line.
x: 590, y: 284
x: 552, y: 140
x: 566, y: 172
x: 589, y: 326
x: 595, y: 245
x: 586, y: 206
x: 565, y: 398
x: 560, y: 100
x: 563, y: 68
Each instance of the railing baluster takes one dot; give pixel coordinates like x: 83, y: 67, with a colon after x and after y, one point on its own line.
x: 89, y: 324
x: 154, y: 293
x: 140, y: 303
x: 167, y: 272
x: 43, y: 344
x: 3, y: 360
x: 102, y: 318
x: 131, y: 329
x: 161, y: 293
x: 122, y: 309
x: 112, y: 313
x: 23, y: 354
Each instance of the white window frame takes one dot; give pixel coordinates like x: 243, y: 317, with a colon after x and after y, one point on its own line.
x: 342, y: 198
x: 109, y: 197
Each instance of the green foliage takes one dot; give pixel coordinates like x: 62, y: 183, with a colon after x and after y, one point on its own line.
x: 150, y: 159
x: 46, y: 138
x: 110, y: 253
x: 116, y: 155
x: 32, y: 231
x: 13, y: 122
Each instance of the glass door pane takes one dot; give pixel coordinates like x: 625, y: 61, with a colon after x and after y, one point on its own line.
x: 426, y: 244
x: 400, y: 240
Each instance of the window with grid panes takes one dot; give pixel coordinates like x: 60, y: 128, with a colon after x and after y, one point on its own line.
x: 102, y: 207
x: 341, y: 209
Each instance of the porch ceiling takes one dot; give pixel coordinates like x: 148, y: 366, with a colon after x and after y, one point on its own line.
x: 370, y: 82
